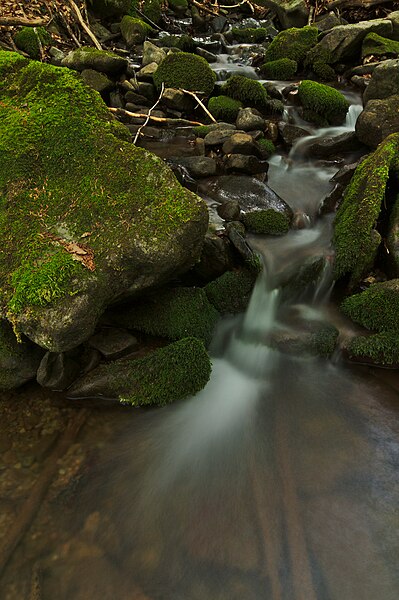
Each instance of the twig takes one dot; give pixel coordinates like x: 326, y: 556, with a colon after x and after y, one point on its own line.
x: 204, y: 8
x: 15, y: 21
x: 138, y: 132
x: 311, y: 15
x: 85, y: 27
x: 68, y: 27
x: 31, y: 505
x: 122, y: 111
x: 202, y: 105
x: 145, y: 18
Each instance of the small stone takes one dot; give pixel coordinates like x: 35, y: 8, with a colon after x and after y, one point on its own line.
x: 177, y: 100
x: 248, y: 119
x: 152, y: 54
x: 113, y: 342
x: 147, y: 72
x: 57, y: 371
x: 97, y: 81
x: 242, y: 163
x: 209, y: 56
x: 240, y: 143
x: 229, y: 210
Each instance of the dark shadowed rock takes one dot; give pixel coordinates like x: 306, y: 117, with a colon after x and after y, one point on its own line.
x: 379, y: 119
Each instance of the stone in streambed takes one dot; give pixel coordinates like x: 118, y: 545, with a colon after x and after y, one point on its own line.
x: 229, y: 210
x: 152, y: 54
x: 147, y: 73
x: 110, y: 8
x: 219, y: 135
x: 97, y: 81
x: 247, y: 164
x: 249, y: 119
x: 241, y: 143
x: 99, y: 60
x: 134, y: 31
x: 378, y: 120
x: 19, y: 360
x: 380, y: 349
x: 177, y: 100
x: 231, y: 292
x: 384, y: 81
x: 197, y: 166
x: 291, y: 13
x: 377, y: 308
x: 113, y: 343
x: 291, y: 133
x: 216, y: 257
x: 331, y: 147
x: 57, y: 371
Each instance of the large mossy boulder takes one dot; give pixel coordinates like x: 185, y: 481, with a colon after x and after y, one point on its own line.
x: 224, y: 108
x: 171, y: 373
x: 86, y: 217
x: 110, y: 8
x: 380, y: 349
x: 230, y: 293
x: 292, y: 43
x: 376, y: 45
x: 355, y: 238
x: 377, y: 308
x: 247, y: 91
x: 182, y: 70
x: 322, y: 103
x: 98, y: 60
x: 281, y: 69
x: 134, y: 31
x: 32, y: 40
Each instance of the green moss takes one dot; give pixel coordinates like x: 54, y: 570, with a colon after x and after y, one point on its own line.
x: 31, y: 40
x: 249, y: 35
x: 135, y: 30
x: 293, y: 43
x: 230, y: 293
x: 182, y: 70
x: 323, y: 71
x: 381, y: 348
x: 355, y: 245
x: 174, y: 314
x: 267, y: 147
x: 318, y: 60
x: 325, y: 101
x: 171, y: 373
x: 376, y: 308
x: 274, y: 106
x: 323, y: 341
x: 201, y: 131
x: 185, y: 43
x: 224, y: 108
x: 152, y: 9
x: 375, y: 45
x: 283, y: 68
x: 248, y: 91
x: 63, y: 173
x: 269, y: 222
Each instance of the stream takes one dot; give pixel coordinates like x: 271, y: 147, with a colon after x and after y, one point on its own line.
x: 279, y: 481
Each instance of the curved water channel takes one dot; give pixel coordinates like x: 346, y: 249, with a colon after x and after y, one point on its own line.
x: 279, y: 481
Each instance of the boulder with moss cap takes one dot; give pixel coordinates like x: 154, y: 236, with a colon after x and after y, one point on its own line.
x: 98, y: 60
x: 182, y: 70
x: 87, y: 218
x: 322, y: 103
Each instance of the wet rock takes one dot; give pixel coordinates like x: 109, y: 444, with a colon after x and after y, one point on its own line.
x: 209, y: 56
x: 97, y: 81
x: 99, y: 60
x: 229, y: 210
x: 197, y: 166
x: 216, y: 257
x: 379, y: 119
x: 219, y: 24
x: 19, y: 361
x: 236, y: 236
x: 291, y: 13
x: 57, y: 371
x: 146, y: 89
x: 152, y: 54
x: 240, y: 143
x: 344, y: 175
x: 113, y: 343
x: 291, y: 133
x: 248, y: 164
x: 332, y: 201
x: 178, y: 100
x: 384, y: 81
x: 331, y: 147
x: 249, y: 119
x: 116, y: 100
x: 219, y: 136
x: 318, y: 339
x: 360, y: 82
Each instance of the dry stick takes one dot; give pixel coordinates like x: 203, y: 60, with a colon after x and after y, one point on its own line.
x: 138, y: 132
x: 205, y: 8
x: 85, y: 27
x: 122, y: 111
x: 145, y: 18
x: 67, y: 26
x: 301, y: 573
x: 15, y: 21
x: 200, y: 103
x: 39, y: 490
x: 354, y: 3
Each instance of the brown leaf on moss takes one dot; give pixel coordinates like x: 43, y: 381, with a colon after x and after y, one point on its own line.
x: 80, y: 252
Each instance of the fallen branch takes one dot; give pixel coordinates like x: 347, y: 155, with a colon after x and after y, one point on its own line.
x: 356, y: 3
x: 85, y: 27
x: 16, y: 21
x: 147, y: 19
x: 205, y: 8
x: 138, y: 132
x: 123, y: 112
x: 200, y: 103
x: 31, y: 505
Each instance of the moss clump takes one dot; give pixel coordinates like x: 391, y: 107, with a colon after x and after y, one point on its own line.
x: 376, y: 308
x: 376, y: 45
x: 224, y: 108
x: 152, y: 9
x: 249, y: 35
x: 323, y: 71
x: 31, y: 40
x: 230, y: 293
x: 248, y: 91
x: 380, y: 348
x: 318, y: 61
x: 268, y: 221
x: 323, y: 341
x: 293, y: 43
x: 134, y: 30
x: 186, y: 71
x: 283, y: 68
x: 174, y: 314
x: 185, y: 43
x: 267, y: 146
x: 171, y: 373
x: 325, y: 101
x: 274, y: 107
x: 355, y: 244
x: 201, y: 131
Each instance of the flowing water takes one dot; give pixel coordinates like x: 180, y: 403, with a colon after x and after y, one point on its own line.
x: 279, y: 481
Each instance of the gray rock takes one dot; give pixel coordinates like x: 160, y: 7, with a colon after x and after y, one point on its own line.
x: 344, y: 175
x: 133, y: 31
x: 236, y: 236
x: 217, y: 137
x: 209, y: 56
x: 334, y: 146
x: 240, y: 143
x: 177, y: 100
x: 291, y: 133
x: 344, y: 42
x: 99, y: 60
x: 152, y: 54
x: 219, y: 24
x: 57, y: 56
x: 57, y: 371
x: 229, y: 210
x: 19, y: 361
x: 378, y: 119
x: 394, y: 18
x: 113, y: 342
x: 101, y: 32
x: 384, y: 81
x: 216, y: 257
x: 291, y: 13
x: 147, y: 72
x: 197, y: 166
x: 328, y: 22
x: 97, y: 81
x: 249, y: 119
x: 248, y: 164
x: 332, y: 201
x: 132, y: 97
x: 115, y: 99
x: 146, y: 89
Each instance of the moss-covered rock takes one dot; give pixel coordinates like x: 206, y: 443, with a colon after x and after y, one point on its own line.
x: 98, y: 60
x: 174, y: 314
x: 318, y: 61
x: 182, y: 70
x: 171, y: 373
x: 377, y: 308
x: 224, y: 108
x: 270, y: 222
x: 230, y: 293
x: 268, y: 148
x: 379, y: 349
x: 19, y: 360
x: 248, y: 91
x: 185, y: 43
x: 249, y: 35
x: 354, y: 240
x: 152, y: 9
x: 201, y: 130
x: 376, y: 45
x: 110, y: 8
x: 31, y: 40
x: 134, y: 31
x: 293, y: 43
x: 283, y: 68
x: 85, y: 217
x: 323, y: 100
